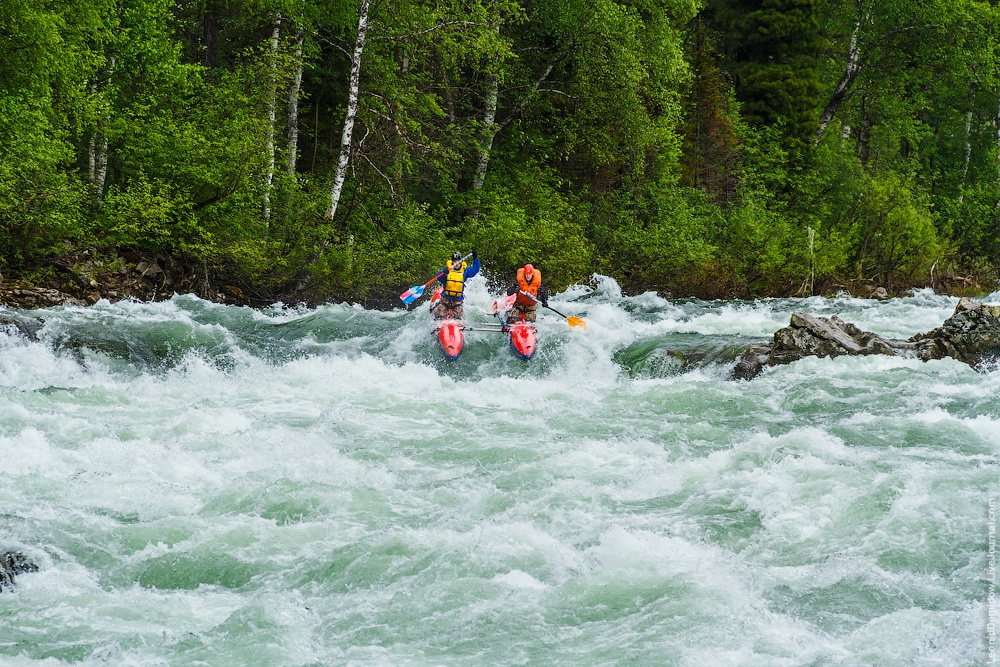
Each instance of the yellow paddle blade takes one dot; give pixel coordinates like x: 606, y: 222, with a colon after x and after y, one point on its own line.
x: 576, y: 322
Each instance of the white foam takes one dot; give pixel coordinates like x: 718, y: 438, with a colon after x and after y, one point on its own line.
x: 387, y: 490
x: 519, y: 579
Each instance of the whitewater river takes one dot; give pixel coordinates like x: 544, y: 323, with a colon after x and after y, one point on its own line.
x: 213, y: 485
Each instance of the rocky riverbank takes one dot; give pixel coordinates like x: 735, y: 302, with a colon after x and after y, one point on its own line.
x: 88, y: 277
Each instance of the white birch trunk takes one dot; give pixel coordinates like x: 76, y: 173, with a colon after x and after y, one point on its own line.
x: 100, y: 167
x: 271, y: 115
x: 967, y: 139
x: 843, y: 88
x: 92, y: 159
x: 92, y: 146
x: 489, y: 133
x: 99, y: 151
x: 293, y: 105
x: 966, y: 153
x: 492, y: 127
x: 352, y: 110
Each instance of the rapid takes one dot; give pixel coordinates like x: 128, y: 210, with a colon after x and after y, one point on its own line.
x: 213, y: 485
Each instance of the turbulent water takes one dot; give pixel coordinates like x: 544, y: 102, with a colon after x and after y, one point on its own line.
x: 212, y: 485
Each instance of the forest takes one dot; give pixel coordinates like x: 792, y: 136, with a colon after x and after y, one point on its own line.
x: 343, y: 149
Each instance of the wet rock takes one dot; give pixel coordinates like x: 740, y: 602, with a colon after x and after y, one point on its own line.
x: 148, y: 269
x: 971, y: 335
x: 24, y: 295
x: 810, y: 336
x: 13, y: 563
x: 752, y: 363
x: 20, y: 325
x: 234, y: 295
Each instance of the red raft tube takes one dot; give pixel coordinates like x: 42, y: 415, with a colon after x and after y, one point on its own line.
x: 522, y: 339
x: 450, y: 332
x: 521, y: 334
x: 451, y: 336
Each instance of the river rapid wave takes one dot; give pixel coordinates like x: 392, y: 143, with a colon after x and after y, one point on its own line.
x: 213, y: 485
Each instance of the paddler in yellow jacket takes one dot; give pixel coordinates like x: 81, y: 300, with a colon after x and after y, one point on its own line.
x: 529, y: 281
x: 453, y: 279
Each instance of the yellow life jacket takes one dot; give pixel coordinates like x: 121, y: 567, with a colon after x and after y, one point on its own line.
x: 531, y: 288
x: 454, y: 282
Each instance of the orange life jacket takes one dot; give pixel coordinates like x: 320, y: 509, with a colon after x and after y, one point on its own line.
x: 530, y: 288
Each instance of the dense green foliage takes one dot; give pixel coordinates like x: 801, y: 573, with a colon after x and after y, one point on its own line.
x: 716, y: 147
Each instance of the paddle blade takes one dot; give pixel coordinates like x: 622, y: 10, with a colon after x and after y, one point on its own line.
x: 576, y: 322
x: 412, y: 294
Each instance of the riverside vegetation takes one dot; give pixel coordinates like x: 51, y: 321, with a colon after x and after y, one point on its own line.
x: 309, y: 150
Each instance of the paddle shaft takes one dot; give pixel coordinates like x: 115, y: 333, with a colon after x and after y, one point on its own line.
x: 417, y: 291
x: 535, y: 299
x: 573, y: 321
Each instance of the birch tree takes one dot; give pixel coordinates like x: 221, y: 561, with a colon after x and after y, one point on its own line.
x: 846, y: 82
x: 412, y: 26
x: 886, y: 37
x: 272, y: 103
x: 98, y: 144
x: 354, y: 83
x: 293, y: 102
x: 490, y: 124
x: 489, y: 132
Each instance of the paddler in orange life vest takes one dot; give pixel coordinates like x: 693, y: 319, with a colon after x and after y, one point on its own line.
x: 453, y: 293
x: 528, y: 280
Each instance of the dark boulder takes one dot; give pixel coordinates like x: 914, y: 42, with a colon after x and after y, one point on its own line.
x: 810, y: 336
x: 970, y: 335
x: 13, y: 563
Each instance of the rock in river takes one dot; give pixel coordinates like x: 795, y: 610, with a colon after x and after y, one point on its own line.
x: 971, y: 335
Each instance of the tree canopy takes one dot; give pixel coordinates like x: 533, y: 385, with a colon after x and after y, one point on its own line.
x: 344, y: 148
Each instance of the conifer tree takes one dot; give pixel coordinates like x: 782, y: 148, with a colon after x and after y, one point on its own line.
x: 773, y: 48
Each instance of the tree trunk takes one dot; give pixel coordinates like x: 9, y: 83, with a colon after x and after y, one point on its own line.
x: 209, y: 31
x: 352, y: 110
x: 489, y: 132
x: 843, y: 89
x: 271, y: 115
x: 99, y: 150
x: 100, y: 167
x: 491, y: 127
x: 92, y: 159
x: 293, y: 104
x: 966, y: 142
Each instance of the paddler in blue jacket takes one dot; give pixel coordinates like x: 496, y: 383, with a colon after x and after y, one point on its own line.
x: 453, y: 280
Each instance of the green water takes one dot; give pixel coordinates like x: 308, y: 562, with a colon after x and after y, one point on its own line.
x: 209, y: 485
